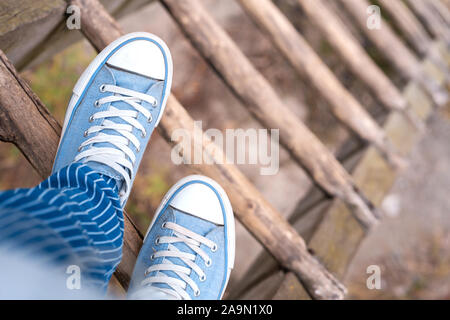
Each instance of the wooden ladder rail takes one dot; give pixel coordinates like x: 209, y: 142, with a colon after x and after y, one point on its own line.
x: 397, y: 53
x: 441, y: 10
x: 354, y: 55
x: 304, y: 217
x: 411, y: 28
x: 335, y: 235
x: 256, y: 214
x: 369, y: 168
x: 431, y: 22
x: 309, y: 65
x: 408, y: 24
x: 94, y: 34
x: 352, y: 236
x: 264, y: 104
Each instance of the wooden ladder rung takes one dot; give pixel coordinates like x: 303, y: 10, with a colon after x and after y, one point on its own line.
x: 264, y: 104
x: 411, y: 28
x: 249, y: 205
x: 397, y: 53
x: 335, y: 247
x: 307, y: 63
x: 433, y: 23
x: 408, y: 24
x: 353, y: 54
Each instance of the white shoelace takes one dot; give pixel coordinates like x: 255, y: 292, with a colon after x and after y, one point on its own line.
x: 116, y: 158
x: 179, y: 286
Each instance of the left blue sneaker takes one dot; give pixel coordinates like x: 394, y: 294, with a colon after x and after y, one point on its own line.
x: 116, y: 104
x: 189, y: 249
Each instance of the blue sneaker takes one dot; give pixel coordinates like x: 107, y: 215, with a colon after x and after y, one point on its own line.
x: 189, y: 248
x: 116, y: 104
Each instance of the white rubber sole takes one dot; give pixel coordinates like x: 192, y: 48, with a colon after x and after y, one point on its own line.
x: 228, y: 219
x: 85, y: 77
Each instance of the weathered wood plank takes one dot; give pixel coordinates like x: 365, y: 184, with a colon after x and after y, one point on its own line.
x: 373, y: 175
x: 338, y: 235
x: 410, y: 26
x: 15, y: 126
x: 30, y: 21
x: 430, y: 20
x: 41, y: 27
x: 304, y: 218
x: 353, y: 54
x: 264, y: 104
x: 398, y: 54
x: 306, y: 62
x: 414, y: 32
x: 441, y: 10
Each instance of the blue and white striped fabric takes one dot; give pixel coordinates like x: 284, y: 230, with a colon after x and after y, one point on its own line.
x: 73, y: 217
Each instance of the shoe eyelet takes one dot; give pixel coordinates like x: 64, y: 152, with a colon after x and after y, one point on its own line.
x: 143, y: 134
x: 102, y: 88
x: 164, y: 225
x: 197, y: 293
x: 155, y: 103
x: 86, y: 133
x: 150, y: 119
x: 157, y: 241
x: 79, y: 148
x: 214, y: 248
x: 138, y: 149
x: 208, y: 263
x: 97, y: 103
x: 145, y: 273
x: 152, y: 257
x: 203, y: 278
x: 91, y: 118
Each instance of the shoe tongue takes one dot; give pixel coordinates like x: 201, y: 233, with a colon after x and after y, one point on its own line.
x: 131, y: 81
x: 194, y: 224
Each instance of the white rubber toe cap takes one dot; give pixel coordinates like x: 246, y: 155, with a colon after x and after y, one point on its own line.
x: 142, y: 57
x: 201, y: 201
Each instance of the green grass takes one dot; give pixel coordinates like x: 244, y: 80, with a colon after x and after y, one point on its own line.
x: 54, y: 80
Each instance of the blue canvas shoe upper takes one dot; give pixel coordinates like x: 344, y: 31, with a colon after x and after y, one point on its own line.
x: 115, y: 107
x: 188, y: 252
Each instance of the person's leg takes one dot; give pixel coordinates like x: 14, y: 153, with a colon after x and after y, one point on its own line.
x: 72, y: 218
x: 76, y: 214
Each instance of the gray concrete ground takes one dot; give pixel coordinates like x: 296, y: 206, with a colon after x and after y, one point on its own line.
x: 412, y: 244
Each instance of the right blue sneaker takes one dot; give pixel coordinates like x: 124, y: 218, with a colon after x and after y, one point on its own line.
x: 189, y: 249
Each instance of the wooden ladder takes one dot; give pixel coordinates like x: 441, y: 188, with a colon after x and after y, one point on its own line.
x: 300, y: 262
